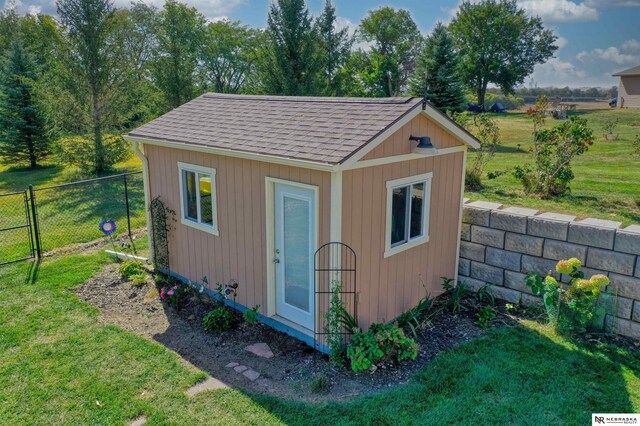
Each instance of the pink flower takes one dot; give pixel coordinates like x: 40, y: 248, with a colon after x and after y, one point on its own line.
x: 175, y: 287
x: 170, y: 293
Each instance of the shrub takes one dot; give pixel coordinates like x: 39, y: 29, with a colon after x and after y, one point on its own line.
x: 571, y: 309
x: 383, y: 343
x: 319, y: 383
x: 218, y: 320
x: 635, y: 145
x: 609, y: 129
x: 140, y: 279
x: 79, y: 151
x: 553, y: 150
x: 129, y: 268
x: 251, y: 315
x: 176, y: 295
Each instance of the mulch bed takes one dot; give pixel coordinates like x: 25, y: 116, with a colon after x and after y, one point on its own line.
x: 288, y: 374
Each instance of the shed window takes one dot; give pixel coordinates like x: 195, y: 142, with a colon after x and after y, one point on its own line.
x: 407, y: 213
x: 198, y: 197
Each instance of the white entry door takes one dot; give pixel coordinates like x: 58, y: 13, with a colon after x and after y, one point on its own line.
x: 295, y: 242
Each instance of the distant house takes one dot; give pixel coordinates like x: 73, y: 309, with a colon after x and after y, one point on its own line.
x: 629, y: 89
x: 261, y: 183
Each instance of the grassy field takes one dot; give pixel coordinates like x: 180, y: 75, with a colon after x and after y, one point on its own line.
x: 60, y: 365
x: 66, y: 215
x: 607, y: 176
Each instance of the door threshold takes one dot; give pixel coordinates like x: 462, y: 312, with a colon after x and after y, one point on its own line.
x: 293, y: 325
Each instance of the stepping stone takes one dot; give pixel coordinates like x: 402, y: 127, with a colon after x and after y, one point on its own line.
x: 208, y: 384
x: 240, y: 368
x: 251, y: 375
x: 139, y: 421
x: 261, y: 349
x: 232, y: 364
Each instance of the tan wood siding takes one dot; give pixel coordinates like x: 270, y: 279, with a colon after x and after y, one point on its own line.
x: 629, y: 90
x: 239, y: 252
x: 399, y: 144
x: 388, y: 286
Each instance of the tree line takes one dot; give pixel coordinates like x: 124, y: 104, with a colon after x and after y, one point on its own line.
x: 95, y: 71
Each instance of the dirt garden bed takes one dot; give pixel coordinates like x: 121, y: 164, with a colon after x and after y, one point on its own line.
x: 288, y: 374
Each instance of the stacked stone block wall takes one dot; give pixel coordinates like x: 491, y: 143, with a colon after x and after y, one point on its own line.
x: 499, y: 246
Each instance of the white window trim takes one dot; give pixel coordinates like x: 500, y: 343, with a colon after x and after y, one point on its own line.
x: 424, y: 238
x: 214, y: 199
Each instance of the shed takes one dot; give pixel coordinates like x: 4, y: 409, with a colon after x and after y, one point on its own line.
x: 629, y: 88
x: 260, y: 183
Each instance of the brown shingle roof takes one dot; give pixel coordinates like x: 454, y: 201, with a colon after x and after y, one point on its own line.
x: 630, y: 72
x: 324, y: 130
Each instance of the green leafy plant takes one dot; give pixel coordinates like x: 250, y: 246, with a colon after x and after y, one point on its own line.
x: 383, y: 343
x: 454, y: 294
x: 485, y: 295
x: 319, y: 383
x: 337, y: 319
x: 218, y: 320
x: 571, y: 309
x: 485, y: 315
x: 553, y: 150
x: 140, y: 279
x: 250, y: 316
x: 129, y: 268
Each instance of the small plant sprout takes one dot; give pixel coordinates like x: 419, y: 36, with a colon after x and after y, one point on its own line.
x: 319, y: 383
x: 251, y: 315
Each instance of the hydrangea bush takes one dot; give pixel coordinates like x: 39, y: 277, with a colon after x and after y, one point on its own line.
x: 571, y: 307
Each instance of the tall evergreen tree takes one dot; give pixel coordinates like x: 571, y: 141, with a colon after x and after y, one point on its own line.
x: 334, y: 50
x: 23, y: 137
x: 290, y: 64
x: 180, y: 36
x: 438, y: 72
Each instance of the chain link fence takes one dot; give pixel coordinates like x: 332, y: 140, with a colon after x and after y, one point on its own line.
x: 41, y: 220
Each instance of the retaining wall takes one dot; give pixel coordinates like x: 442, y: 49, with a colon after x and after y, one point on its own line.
x: 499, y: 246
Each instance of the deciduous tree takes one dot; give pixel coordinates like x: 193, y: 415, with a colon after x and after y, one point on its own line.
x: 499, y: 43
x: 396, y: 42
x: 229, y: 55
x: 180, y: 34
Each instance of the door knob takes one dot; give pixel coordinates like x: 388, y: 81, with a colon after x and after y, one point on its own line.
x: 276, y: 260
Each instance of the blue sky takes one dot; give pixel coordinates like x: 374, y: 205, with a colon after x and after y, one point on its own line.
x: 597, y: 37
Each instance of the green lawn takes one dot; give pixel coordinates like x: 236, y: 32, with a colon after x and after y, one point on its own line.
x: 607, y: 176
x: 59, y: 365
x: 66, y: 215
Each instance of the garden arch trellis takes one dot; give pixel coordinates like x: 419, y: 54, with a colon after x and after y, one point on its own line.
x: 334, y: 263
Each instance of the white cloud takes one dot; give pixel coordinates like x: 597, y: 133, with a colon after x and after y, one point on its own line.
x: 560, y: 10
x: 609, y: 4
x: 610, y: 54
x: 632, y: 45
x: 561, y: 42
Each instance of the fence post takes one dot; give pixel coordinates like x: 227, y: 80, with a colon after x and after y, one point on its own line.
x: 36, y: 227
x: 126, y: 198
